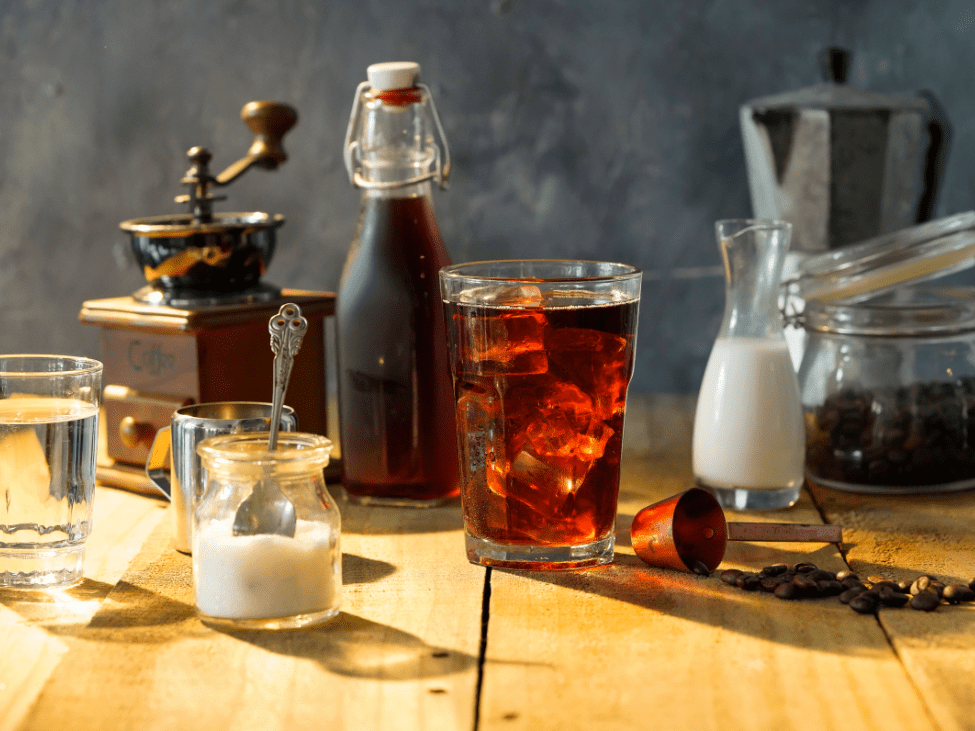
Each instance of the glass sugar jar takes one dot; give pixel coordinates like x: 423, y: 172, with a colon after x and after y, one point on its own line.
x: 266, y: 581
x: 888, y: 391
x: 887, y: 373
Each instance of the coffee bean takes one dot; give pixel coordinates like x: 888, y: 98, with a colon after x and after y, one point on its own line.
x: 885, y: 584
x: 775, y: 569
x: 914, y: 435
x: 786, y: 590
x: 729, y: 576
x: 876, y: 579
x: 849, y: 594
x: 748, y: 582
x: 829, y: 587
x: 844, y: 575
x: 850, y: 582
x: 956, y: 593
x: 920, y: 584
x: 768, y: 583
x: 821, y: 575
x: 891, y: 598
x: 805, y: 586
x: 971, y: 584
x: 804, y: 568
x: 936, y: 586
x: 700, y: 568
x: 925, y: 601
x: 904, y: 587
x: 865, y: 603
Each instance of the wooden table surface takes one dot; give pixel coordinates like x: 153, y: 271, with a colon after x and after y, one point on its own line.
x: 428, y: 641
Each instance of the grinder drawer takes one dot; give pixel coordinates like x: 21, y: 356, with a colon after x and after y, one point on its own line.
x: 132, y: 419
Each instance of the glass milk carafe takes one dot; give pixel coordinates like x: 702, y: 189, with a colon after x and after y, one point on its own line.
x: 749, y: 430
x: 263, y: 580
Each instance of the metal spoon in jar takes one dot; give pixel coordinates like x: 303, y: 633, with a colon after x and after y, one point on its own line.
x: 267, y: 509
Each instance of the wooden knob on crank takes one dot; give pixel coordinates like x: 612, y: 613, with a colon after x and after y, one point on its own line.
x: 269, y: 121
x: 133, y: 432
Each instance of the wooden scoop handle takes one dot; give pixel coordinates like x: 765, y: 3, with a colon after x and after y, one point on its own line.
x: 785, y: 532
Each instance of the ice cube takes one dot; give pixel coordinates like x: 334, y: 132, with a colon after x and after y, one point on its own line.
x: 510, y: 342
x: 598, y: 362
x: 545, y: 482
x: 480, y: 424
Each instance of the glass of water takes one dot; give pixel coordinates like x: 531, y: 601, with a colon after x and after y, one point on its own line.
x: 48, y: 446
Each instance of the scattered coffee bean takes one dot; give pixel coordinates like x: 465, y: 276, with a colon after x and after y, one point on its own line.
x: 891, y: 598
x: 748, y: 582
x: 786, y: 590
x: 955, y: 593
x: 805, y: 586
x: 925, y: 601
x: 700, y: 568
x: 821, y: 575
x: 885, y: 584
x: 847, y: 596
x: 768, y: 583
x: 729, y: 576
x: 829, y: 587
x: 865, y: 603
x: 806, y: 580
x: 920, y: 584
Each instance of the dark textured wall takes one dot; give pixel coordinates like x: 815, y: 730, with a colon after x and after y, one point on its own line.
x: 578, y: 128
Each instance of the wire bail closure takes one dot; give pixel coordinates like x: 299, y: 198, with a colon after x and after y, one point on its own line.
x: 440, y: 170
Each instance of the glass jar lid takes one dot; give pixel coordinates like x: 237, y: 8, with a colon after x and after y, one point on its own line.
x: 885, y: 263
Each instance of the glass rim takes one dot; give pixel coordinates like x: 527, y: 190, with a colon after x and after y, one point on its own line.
x: 774, y: 222
x: 928, y: 312
x: 82, y: 365
x: 292, y: 447
x: 456, y: 271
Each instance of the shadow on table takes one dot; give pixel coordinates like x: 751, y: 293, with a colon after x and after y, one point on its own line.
x: 362, y: 570
x: 823, y: 625
x: 391, y: 520
x: 360, y: 648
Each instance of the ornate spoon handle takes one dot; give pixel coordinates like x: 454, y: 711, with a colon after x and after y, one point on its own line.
x: 287, y: 330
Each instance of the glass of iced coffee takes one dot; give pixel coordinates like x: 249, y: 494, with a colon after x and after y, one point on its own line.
x: 541, y: 355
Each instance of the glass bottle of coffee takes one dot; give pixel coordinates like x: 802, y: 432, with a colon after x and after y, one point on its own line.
x: 396, y: 406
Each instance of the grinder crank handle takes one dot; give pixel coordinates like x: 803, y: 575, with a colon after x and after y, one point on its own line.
x: 269, y: 121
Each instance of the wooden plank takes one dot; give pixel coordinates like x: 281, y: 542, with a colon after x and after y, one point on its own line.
x: 629, y: 646
x: 401, y: 655
x: 38, y: 628
x: 901, y: 537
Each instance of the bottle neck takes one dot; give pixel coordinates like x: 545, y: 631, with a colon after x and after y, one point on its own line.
x: 396, y: 142
x: 406, y: 190
x: 753, y: 259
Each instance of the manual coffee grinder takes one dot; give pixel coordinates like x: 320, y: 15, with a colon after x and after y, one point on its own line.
x: 197, y: 332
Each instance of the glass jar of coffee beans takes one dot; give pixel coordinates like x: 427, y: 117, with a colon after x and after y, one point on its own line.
x: 888, y: 391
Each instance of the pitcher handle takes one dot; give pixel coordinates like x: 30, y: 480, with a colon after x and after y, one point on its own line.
x: 935, y: 157
x: 158, y: 462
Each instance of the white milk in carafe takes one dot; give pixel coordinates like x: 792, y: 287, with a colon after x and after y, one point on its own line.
x: 749, y: 429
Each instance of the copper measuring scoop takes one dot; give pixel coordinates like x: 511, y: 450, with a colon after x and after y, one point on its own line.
x: 690, y: 528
